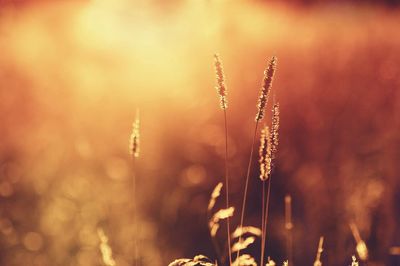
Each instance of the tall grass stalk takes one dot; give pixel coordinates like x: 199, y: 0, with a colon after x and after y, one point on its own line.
x: 265, y: 171
x: 247, y: 183
x: 268, y: 150
x: 263, y: 201
x: 227, y: 187
x: 264, y: 232
x: 135, y: 225
x: 262, y: 103
x: 222, y: 91
x: 134, y: 150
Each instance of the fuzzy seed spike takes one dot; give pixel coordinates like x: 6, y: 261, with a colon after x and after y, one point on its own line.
x: 320, y: 249
x: 105, y: 249
x: 221, y: 87
x: 134, y: 142
x: 265, y: 154
x: 361, y: 247
x: 275, y: 130
x: 266, y: 88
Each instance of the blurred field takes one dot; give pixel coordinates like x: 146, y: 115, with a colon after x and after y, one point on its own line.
x: 73, y: 73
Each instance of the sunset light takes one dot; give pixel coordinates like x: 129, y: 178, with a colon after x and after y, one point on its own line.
x: 199, y: 133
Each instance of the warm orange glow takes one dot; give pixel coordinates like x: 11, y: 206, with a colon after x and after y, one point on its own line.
x: 74, y: 73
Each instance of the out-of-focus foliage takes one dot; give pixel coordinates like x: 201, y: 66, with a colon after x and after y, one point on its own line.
x: 73, y: 73
x: 199, y: 260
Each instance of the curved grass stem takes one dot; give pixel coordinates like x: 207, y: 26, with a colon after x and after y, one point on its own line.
x: 247, y: 184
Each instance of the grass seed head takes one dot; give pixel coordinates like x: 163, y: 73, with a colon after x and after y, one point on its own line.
x: 270, y: 262
x: 105, y: 249
x: 221, y: 87
x: 134, y: 141
x: 214, y: 196
x: 317, y: 261
x: 265, y: 159
x: 275, y: 130
x: 245, y: 260
x: 354, y: 262
x: 242, y: 244
x: 213, y: 223
x: 240, y: 231
x: 361, y: 247
x: 266, y: 88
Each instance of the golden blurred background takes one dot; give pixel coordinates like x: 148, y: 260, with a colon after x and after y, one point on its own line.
x: 73, y: 73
